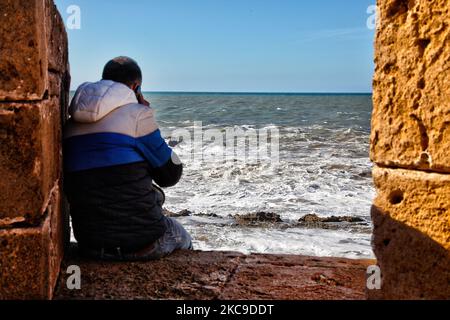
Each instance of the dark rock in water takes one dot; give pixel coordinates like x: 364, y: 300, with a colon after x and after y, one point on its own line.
x: 208, y: 215
x: 173, y: 143
x: 309, y: 218
x: 258, y: 218
x: 168, y: 213
x: 187, y: 213
x: 334, y: 223
x: 366, y: 174
x: 183, y: 213
x: 343, y: 219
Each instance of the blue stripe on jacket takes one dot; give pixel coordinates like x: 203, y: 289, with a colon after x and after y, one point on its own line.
x: 100, y: 150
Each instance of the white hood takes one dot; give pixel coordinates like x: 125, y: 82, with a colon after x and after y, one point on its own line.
x: 94, y: 101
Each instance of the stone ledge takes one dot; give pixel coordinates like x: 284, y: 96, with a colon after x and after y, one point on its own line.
x: 219, y: 275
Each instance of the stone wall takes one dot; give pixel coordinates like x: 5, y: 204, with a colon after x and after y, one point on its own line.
x: 34, y: 87
x: 411, y: 149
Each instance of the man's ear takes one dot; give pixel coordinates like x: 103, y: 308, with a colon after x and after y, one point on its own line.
x: 134, y: 87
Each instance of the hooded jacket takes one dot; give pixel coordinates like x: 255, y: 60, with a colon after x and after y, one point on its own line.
x: 113, y: 152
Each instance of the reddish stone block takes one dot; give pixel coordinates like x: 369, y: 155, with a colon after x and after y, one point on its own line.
x: 30, y: 258
x: 56, y: 37
x: 23, y: 50
x: 30, y: 159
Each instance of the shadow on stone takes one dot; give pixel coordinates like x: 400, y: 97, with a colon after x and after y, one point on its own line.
x: 413, y: 266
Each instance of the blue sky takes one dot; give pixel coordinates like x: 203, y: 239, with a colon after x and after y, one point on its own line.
x: 227, y: 45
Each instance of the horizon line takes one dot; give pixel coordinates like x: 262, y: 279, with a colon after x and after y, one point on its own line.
x: 262, y: 92
x: 256, y: 92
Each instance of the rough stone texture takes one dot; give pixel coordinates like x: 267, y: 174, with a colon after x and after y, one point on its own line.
x: 411, y: 217
x: 411, y: 118
x: 417, y: 199
x: 411, y: 141
x: 56, y: 39
x: 413, y: 266
x: 30, y: 158
x: 30, y: 258
x: 34, y: 94
x: 218, y: 275
x: 59, y: 88
x: 55, y: 84
x: 23, y: 50
x: 274, y: 277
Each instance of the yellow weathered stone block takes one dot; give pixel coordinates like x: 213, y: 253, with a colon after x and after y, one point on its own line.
x: 411, y: 240
x: 411, y: 88
x: 417, y: 199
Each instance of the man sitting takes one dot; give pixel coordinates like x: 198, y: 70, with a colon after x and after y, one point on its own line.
x: 113, y: 152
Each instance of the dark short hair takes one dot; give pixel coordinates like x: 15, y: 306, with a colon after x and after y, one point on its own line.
x: 122, y: 69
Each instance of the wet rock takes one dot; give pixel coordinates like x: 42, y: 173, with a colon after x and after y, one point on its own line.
x: 168, y: 213
x: 352, y: 224
x: 258, y: 218
x: 183, y: 213
x: 173, y: 143
x: 208, y: 215
x: 365, y: 174
x: 311, y: 218
x: 188, y: 213
x: 343, y: 219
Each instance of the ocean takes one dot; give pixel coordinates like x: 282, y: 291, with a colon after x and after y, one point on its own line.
x: 320, y: 166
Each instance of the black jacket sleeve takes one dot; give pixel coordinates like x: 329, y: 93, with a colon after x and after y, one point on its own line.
x: 169, y: 174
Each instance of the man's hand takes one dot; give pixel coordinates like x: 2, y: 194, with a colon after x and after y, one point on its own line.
x: 142, y: 100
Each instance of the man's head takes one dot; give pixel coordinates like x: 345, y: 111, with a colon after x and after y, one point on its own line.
x: 124, y: 70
